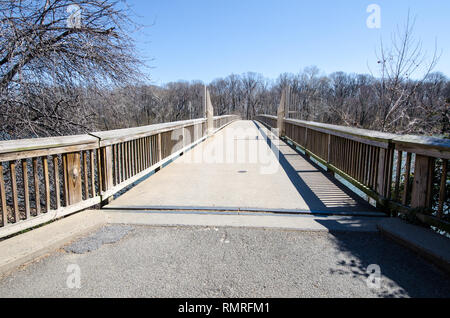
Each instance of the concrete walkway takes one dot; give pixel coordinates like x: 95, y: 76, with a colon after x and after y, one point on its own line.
x: 245, y: 167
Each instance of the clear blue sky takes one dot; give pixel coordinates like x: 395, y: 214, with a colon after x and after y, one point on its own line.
x: 207, y: 39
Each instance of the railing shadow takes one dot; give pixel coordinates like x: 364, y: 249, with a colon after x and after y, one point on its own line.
x: 336, y: 198
x: 403, y: 273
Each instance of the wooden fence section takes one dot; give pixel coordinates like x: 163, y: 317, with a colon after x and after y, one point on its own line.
x: 401, y: 173
x: 45, y: 178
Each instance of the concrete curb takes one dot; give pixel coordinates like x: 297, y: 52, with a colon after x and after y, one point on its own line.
x: 257, y: 220
x: 431, y: 246
x: 26, y: 247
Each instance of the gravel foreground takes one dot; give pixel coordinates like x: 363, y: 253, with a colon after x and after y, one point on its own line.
x: 142, y: 261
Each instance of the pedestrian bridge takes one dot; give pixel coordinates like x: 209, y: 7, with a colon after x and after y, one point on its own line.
x: 243, y: 167
x: 271, y: 164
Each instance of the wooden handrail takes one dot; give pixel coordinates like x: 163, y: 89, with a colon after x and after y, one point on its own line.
x: 45, y: 178
x: 376, y: 164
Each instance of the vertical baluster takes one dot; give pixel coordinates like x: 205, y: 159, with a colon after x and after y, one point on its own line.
x: 12, y: 170
x: 56, y: 178
x: 85, y: 174
x: 133, y: 157
x: 119, y: 162
x: 99, y: 170
x: 145, y: 145
x: 406, y: 181
x: 114, y: 164
x: 65, y: 181
x: 142, y: 141
x: 371, y: 167
x: 36, y: 186
x: 124, y: 162
x: 46, y: 184
x: 390, y: 164
x: 159, y: 147
x: 354, y: 161
x: 129, y: 159
x: 26, y: 190
x: 398, y: 171
x: 152, y: 150
x: 377, y: 161
x: 431, y: 164
x: 347, y: 156
x: 3, y: 197
x: 139, y: 155
x: 91, y: 159
x: 360, y: 161
x: 442, y: 189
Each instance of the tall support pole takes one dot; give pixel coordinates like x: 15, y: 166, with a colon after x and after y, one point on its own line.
x: 204, y: 101
x: 209, y: 113
x: 281, y: 114
x: 288, y: 102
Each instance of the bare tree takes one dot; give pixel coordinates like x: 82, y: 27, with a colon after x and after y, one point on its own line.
x: 399, y: 64
x: 53, y: 50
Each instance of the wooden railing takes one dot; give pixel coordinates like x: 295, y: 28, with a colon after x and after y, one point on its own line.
x: 401, y: 173
x: 45, y: 178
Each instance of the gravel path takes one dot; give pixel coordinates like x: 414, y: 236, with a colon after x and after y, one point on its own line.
x: 140, y: 261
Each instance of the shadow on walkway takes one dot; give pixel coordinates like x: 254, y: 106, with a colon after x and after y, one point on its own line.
x: 320, y: 191
x: 403, y: 273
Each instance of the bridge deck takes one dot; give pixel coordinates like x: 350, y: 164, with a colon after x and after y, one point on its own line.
x: 224, y: 173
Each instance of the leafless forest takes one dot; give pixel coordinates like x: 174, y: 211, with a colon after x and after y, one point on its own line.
x: 67, y: 72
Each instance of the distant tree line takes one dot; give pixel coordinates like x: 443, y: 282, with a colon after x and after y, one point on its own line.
x: 64, y: 74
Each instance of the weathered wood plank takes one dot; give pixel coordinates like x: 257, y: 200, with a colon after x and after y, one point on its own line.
x: 91, y: 159
x: 37, y: 196
x: 424, y: 145
x: 73, y: 173
x: 56, y: 179
x: 122, y: 135
x: 398, y: 171
x: 3, y: 197
x: 442, y: 190
x: 85, y: 174
x: 406, y: 181
x: 419, y: 195
x: 26, y: 188
x: 12, y: 171
x: 46, y: 184
x: 65, y: 180
x: 37, y: 147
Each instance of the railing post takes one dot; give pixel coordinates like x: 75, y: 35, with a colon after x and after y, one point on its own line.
x: 73, y: 173
x: 423, y: 175
x: 330, y: 172
x: 381, y: 177
x: 159, y: 145
x: 106, y: 171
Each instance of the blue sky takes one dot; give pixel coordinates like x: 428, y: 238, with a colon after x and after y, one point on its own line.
x: 204, y: 40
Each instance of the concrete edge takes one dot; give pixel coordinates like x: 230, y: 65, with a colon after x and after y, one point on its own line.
x: 433, y: 258
x: 239, y: 210
x: 285, y: 222
x: 22, y: 249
